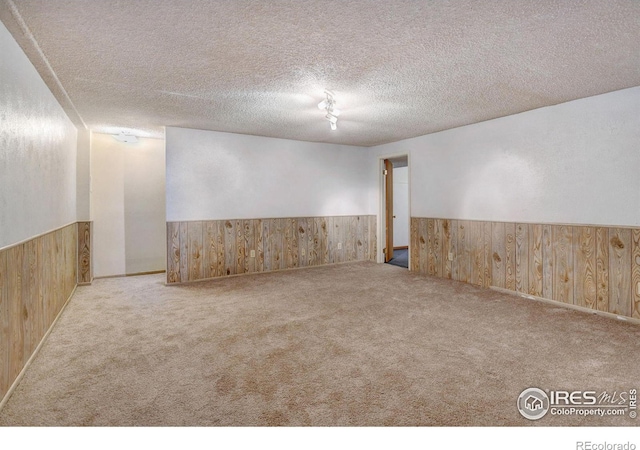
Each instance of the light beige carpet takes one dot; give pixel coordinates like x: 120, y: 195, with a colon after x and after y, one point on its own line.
x: 354, y: 344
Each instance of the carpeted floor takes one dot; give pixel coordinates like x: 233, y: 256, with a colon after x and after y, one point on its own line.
x: 354, y: 344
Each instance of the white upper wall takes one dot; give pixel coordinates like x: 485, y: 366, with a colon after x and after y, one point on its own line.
x: 214, y: 175
x: 577, y: 162
x: 37, y: 151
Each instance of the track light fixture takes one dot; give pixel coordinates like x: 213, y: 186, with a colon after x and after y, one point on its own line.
x: 329, y: 105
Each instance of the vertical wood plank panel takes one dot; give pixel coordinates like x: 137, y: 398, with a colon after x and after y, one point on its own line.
x: 477, y: 248
x: 535, y: 262
x: 584, y: 247
x: 194, y: 236
x: 277, y: 242
x: 48, y: 253
x: 413, y: 246
x: 303, y: 239
x: 423, y: 238
x: 635, y: 273
x: 84, y: 252
x: 463, y: 257
x: 325, y: 227
x: 366, y: 235
x: 498, y: 258
x: 210, y: 249
x: 348, y: 239
x: 522, y: 269
x: 67, y: 242
x: 431, y: 247
x: 5, y: 378
x: 562, y: 264
x: 311, y: 244
x: 602, y: 268
x: 620, y: 271
x: 173, y: 252
x: 266, y: 243
x: 56, y: 290
x: 184, y: 252
x: 547, y: 261
x: 31, y: 293
x: 221, y: 247
x: 73, y: 251
x: 230, y: 263
x: 331, y: 240
x: 315, y: 256
x: 287, y: 245
x: 454, y: 249
x: 446, y: 249
x: 249, y: 246
x: 295, y: 243
x: 437, y: 247
x: 258, y: 230
x: 14, y: 282
x: 41, y: 325
x: 240, y: 246
x: 510, y: 256
x: 486, y: 253
x: 341, y: 232
x: 360, y: 238
x: 353, y: 239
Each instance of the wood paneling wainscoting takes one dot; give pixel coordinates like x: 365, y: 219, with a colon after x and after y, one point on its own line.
x: 198, y: 250
x: 85, y: 266
x: 37, y: 277
x: 597, y: 268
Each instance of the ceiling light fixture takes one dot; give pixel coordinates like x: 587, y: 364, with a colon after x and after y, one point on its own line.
x: 126, y: 138
x: 329, y: 105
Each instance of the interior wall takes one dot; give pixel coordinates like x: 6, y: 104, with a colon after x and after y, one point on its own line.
x: 127, y: 205
x: 401, y: 206
x: 213, y: 175
x: 37, y: 151
x: 573, y: 163
x: 83, y: 176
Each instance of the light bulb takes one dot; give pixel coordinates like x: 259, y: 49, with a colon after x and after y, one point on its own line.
x: 335, y: 111
x: 323, y: 104
x: 334, y: 127
x: 332, y: 119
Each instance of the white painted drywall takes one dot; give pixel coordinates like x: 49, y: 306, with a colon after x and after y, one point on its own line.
x: 37, y: 151
x: 577, y: 162
x: 215, y: 175
x: 144, y: 206
x: 127, y: 205
x: 401, y: 206
x: 107, y: 205
x: 83, y: 176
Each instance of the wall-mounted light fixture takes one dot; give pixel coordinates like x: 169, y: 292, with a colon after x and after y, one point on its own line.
x: 329, y: 105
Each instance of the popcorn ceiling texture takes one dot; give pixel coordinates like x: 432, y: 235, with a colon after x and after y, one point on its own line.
x: 399, y: 69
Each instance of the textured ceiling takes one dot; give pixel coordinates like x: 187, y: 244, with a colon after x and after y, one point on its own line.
x: 399, y: 69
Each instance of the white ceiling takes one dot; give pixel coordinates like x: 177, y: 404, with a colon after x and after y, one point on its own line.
x: 399, y: 68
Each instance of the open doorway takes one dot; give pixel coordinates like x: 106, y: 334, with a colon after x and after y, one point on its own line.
x: 396, y: 211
